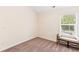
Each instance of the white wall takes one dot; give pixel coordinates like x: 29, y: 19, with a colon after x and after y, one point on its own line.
x: 17, y: 24
x: 48, y: 26
x: 49, y: 21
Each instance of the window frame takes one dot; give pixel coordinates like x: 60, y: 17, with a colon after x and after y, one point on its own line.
x: 75, y: 25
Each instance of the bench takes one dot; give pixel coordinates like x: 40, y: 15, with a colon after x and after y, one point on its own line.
x: 69, y: 42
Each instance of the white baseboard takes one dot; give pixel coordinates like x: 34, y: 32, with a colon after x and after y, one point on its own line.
x: 26, y: 40
x: 51, y: 39
x: 17, y: 43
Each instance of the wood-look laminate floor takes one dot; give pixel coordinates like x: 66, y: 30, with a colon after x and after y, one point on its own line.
x: 40, y: 45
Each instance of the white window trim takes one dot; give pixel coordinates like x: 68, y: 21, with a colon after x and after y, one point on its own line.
x: 75, y: 25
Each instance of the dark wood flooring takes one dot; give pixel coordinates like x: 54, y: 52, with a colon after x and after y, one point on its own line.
x: 40, y: 45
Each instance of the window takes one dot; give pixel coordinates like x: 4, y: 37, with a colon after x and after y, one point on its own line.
x: 68, y: 25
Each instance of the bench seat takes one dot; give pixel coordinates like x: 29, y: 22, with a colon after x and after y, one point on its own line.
x: 70, y: 39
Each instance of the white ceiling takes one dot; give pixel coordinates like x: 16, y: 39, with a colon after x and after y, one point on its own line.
x: 39, y: 9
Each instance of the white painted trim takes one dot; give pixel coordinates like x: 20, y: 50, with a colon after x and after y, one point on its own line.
x: 27, y: 39
x: 75, y: 25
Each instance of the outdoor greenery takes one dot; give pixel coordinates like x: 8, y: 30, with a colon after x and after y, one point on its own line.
x: 68, y: 19
x: 67, y: 24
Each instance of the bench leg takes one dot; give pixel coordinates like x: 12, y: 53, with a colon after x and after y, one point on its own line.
x: 58, y: 42
x: 67, y: 44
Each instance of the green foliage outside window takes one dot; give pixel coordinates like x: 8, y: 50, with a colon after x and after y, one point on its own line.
x: 67, y: 24
x: 68, y: 19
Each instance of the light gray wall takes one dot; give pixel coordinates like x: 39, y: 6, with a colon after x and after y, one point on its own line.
x: 49, y: 22
x: 17, y: 24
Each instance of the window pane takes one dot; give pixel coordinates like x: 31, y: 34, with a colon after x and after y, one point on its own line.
x: 68, y: 19
x: 72, y: 28
x: 68, y: 29
x: 65, y: 27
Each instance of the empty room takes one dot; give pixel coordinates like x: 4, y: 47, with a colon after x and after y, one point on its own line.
x: 39, y: 28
